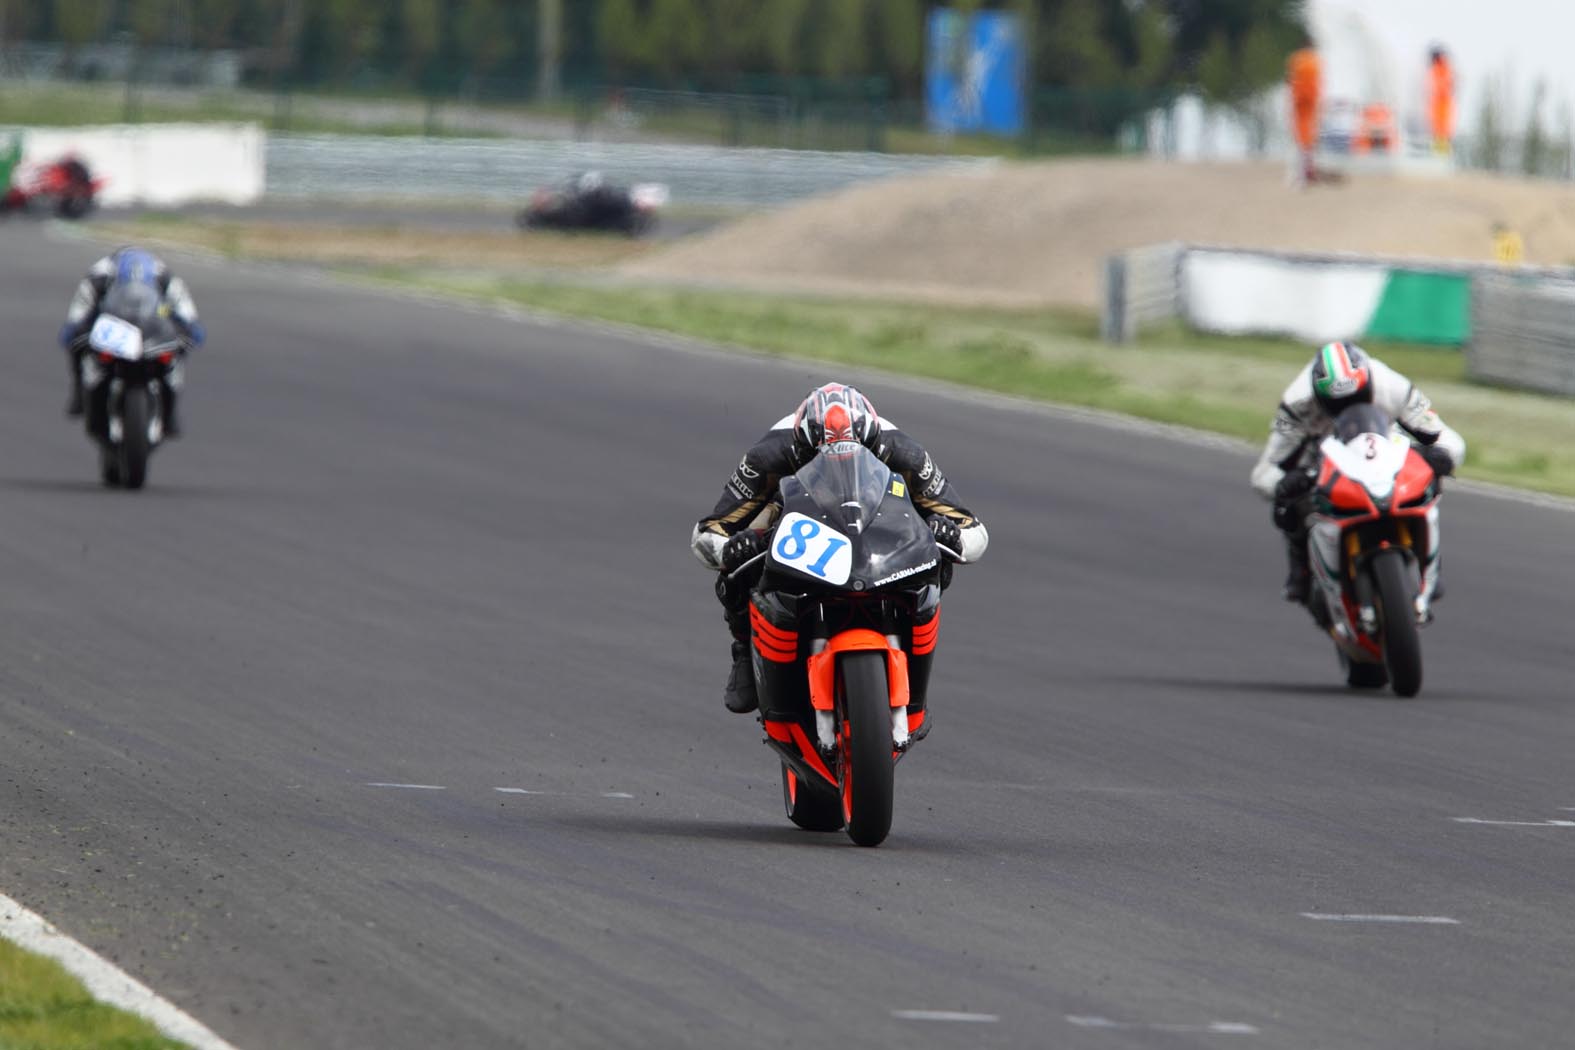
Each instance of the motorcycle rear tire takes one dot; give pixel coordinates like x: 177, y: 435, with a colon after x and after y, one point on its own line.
x: 1402, y: 641
x: 810, y: 809
x: 868, y: 766
x: 74, y: 206
x: 134, y: 445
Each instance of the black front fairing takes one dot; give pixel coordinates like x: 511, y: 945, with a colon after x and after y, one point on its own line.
x: 142, y: 305
x: 847, y: 488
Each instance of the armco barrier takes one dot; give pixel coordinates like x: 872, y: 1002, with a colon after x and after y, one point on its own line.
x: 1524, y: 332
x: 506, y: 170
x: 1142, y: 288
x: 162, y: 164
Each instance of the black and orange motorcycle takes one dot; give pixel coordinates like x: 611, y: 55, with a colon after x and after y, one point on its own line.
x: 844, y: 623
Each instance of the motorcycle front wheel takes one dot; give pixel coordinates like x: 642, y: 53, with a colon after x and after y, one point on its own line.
x: 868, y: 769
x: 1401, y: 639
x: 134, y: 445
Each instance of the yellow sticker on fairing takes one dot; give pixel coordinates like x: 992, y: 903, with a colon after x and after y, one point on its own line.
x: 898, y: 488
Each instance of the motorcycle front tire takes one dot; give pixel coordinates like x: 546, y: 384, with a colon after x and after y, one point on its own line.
x: 1402, y: 641
x: 868, y: 766
x: 134, y: 445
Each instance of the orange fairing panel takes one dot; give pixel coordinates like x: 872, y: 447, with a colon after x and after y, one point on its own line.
x: 773, y: 643
x: 1347, y: 495
x: 925, y: 635
x: 792, y: 733
x: 823, y: 667
x: 1414, y: 478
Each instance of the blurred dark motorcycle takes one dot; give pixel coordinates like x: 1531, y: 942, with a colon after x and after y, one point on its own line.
x: 628, y: 210
x: 131, y: 347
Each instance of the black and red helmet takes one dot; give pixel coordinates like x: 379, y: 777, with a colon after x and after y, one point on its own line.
x: 832, y: 415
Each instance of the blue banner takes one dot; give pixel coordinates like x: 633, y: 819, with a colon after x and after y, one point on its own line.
x: 975, y: 70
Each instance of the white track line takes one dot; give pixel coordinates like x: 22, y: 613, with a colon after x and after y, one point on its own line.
x: 560, y: 794
x: 1516, y: 823
x: 407, y: 787
x: 1424, y: 920
x: 1212, y: 1028
x: 104, y: 980
x: 945, y: 1015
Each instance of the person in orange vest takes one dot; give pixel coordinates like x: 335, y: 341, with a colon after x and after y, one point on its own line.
x: 1441, y: 99
x: 1304, y: 76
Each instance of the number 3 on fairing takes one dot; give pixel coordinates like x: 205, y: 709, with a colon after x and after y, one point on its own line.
x: 813, y: 548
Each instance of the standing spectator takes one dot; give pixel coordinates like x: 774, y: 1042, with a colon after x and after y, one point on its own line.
x: 1441, y: 99
x: 1304, y: 75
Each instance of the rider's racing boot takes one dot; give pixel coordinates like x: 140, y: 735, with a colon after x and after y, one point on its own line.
x: 171, y: 417
x: 921, y: 656
x: 1298, y: 580
x: 740, y: 695
x: 74, y: 405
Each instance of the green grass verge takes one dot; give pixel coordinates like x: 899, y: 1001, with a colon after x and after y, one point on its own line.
x: 42, y: 1007
x: 1226, y: 385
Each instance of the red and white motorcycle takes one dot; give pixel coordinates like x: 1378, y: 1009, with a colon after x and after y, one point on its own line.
x: 1373, y: 548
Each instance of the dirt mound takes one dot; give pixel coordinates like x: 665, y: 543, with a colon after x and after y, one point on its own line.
x: 1038, y: 234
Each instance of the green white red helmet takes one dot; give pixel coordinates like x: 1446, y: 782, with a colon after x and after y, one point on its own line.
x: 1342, y: 376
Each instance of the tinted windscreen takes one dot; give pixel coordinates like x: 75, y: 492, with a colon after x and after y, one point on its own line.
x: 849, y: 484
x: 137, y: 303
x: 1361, y: 419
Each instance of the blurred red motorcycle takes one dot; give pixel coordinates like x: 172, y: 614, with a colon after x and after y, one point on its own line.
x: 65, y: 187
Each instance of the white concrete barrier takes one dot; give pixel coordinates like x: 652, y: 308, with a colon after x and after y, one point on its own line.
x: 1249, y: 294
x: 162, y: 164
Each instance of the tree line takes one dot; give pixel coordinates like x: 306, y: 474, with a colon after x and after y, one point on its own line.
x: 1229, y: 49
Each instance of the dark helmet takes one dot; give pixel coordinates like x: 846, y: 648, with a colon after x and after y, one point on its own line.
x: 834, y: 414
x: 1342, y: 375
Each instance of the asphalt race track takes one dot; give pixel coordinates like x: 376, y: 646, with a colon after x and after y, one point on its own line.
x: 411, y: 545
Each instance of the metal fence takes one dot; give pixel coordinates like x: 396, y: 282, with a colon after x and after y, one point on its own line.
x: 860, y: 114
x: 1523, y: 332
x: 1142, y: 289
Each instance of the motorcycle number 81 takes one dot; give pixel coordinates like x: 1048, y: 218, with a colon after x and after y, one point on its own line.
x: 813, y: 548
x: 111, y: 335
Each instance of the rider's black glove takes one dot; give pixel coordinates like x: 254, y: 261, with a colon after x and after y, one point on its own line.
x: 1439, y: 459
x: 947, y: 534
x: 1293, y: 486
x: 1289, y: 495
x: 741, y: 548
